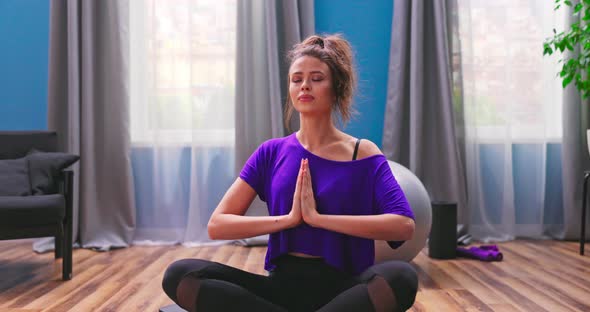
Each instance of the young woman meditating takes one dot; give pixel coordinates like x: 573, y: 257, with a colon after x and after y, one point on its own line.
x: 329, y: 196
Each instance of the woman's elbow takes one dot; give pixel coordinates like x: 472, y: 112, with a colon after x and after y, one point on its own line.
x: 408, y: 229
x: 213, y: 229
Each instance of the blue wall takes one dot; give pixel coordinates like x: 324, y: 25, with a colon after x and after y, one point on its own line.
x: 367, y: 25
x: 24, y: 38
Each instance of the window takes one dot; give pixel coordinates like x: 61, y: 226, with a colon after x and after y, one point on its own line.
x: 182, y: 60
x: 508, y: 89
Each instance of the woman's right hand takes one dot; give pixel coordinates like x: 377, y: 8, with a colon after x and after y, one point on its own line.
x: 295, y: 216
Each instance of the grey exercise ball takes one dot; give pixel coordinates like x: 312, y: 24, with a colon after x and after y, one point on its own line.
x: 420, y: 204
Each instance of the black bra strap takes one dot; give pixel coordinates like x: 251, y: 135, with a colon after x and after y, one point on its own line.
x: 356, y: 149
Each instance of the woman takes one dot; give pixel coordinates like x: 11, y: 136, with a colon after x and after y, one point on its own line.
x: 329, y: 197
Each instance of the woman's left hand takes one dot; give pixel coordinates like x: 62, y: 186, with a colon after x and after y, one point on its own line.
x: 308, y: 204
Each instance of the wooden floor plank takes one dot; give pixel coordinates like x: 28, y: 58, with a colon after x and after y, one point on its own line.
x: 479, y: 289
x: 503, y: 307
x: 541, y: 274
x: 114, y: 285
x: 37, y: 287
x: 75, y: 291
x: 539, y: 295
x: 438, y: 276
x: 467, y: 301
x: 534, y: 276
x: 545, y: 269
x: 105, y: 285
x: 141, y: 290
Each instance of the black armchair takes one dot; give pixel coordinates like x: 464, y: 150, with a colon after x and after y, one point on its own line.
x: 36, y: 210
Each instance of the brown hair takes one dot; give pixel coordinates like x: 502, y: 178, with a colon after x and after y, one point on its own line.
x: 336, y: 52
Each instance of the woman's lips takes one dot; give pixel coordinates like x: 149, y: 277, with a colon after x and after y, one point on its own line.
x: 306, y: 98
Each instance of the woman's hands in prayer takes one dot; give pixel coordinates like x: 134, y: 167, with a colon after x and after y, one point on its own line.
x: 295, y: 215
x: 304, y: 205
x: 308, y: 205
x: 385, y: 226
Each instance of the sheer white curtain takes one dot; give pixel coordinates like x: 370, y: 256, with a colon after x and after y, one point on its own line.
x: 512, y: 113
x: 182, y: 114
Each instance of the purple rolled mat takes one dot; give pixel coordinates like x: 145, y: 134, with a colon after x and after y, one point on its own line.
x: 484, y: 253
x: 489, y: 247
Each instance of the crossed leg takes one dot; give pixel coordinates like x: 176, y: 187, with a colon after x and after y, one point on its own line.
x: 387, y: 286
x: 201, y: 285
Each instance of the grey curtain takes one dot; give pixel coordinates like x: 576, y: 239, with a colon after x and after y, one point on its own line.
x: 267, y: 29
x: 88, y: 105
x: 575, y: 158
x: 419, y: 128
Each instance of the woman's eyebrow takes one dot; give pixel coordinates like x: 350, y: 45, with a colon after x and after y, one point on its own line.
x: 312, y: 72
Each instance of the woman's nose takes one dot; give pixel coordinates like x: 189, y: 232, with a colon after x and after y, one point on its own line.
x: 305, y: 86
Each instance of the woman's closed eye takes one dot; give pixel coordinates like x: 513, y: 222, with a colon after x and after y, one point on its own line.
x: 297, y: 80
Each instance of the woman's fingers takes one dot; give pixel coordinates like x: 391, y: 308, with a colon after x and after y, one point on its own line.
x: 308, y: 173
x: 296, y: 208
x: 299, y: 178
x: 308, y: 204
x: 304, y: 183
x: 306, y: 189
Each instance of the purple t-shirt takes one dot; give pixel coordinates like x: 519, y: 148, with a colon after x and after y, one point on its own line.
x: 357, y: 187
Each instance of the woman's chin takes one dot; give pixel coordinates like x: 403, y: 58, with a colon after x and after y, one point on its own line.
x: 310, y: 108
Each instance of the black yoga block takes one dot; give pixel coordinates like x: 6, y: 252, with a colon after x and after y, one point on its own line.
x: 442, y: 242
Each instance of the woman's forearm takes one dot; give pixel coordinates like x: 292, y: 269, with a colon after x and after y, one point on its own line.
x: 388, y: 227
x: 230, y: 226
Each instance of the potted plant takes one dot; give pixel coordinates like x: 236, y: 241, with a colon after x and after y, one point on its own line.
x: 575, y: 66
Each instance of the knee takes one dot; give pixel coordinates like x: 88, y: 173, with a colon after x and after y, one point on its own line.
x: 406, y: 275
x: 403, y: 280
x: 177, y: 270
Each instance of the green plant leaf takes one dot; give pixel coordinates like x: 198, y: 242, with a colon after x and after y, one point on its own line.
x: 567, y: 81
x: 571, y: 62
x: 576, y: 37
x: 548, y: 51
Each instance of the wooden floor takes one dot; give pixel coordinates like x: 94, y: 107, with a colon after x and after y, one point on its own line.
x: 534, y: 276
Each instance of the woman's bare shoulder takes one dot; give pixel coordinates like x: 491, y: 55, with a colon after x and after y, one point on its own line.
x: 367, y: 149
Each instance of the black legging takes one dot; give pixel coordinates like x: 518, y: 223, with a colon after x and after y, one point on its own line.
x: 297, y: 284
